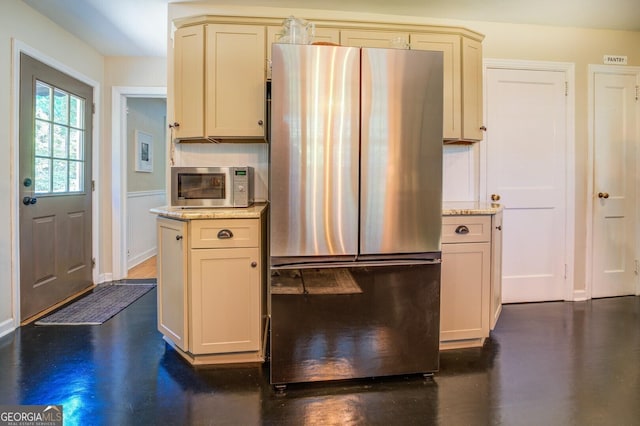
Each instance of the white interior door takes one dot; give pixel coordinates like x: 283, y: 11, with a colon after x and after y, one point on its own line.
x: 615, y: 135
x: 526, y: 158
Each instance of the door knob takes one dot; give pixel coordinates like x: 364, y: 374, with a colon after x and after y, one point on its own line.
x: 603, y: 195
x: 29, y: 200
x: 495, y: 197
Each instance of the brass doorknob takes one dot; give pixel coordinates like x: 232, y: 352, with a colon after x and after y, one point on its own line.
x: 495, y: 197
x: 603, y: 195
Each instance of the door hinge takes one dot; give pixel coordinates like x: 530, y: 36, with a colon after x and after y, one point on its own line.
x: 93, y: 185
x: 93, y: 108
x: 566, y: 270
x: 566, y: 88
x: 637, y: 92
x: 93, y: 262
x: 636, y: 267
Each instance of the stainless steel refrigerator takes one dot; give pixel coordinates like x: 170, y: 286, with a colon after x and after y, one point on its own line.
x: 355, y: 214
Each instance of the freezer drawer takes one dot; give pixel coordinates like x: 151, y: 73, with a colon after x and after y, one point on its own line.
x: 363, y: 322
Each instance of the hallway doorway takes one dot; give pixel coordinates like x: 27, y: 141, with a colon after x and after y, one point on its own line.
x: 133, y: 228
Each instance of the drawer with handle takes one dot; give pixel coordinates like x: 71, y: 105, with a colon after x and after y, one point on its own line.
x: 466, y: 229
x: 224, y: 233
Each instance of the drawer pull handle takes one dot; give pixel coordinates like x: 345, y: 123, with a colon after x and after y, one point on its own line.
x: 225, y: 234
x: 462, y: 229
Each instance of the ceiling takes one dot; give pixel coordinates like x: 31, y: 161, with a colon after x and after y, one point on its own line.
x: 138, y: 27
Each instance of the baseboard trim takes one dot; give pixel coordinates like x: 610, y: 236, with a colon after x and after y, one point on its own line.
x: 7, y: 326
x: 580, y: 296
x: 141, y: 257
x: 106, y: 277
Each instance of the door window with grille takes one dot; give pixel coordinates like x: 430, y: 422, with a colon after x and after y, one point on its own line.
x: 59, y: 141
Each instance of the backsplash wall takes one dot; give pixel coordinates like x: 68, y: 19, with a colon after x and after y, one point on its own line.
x: 460, y: 165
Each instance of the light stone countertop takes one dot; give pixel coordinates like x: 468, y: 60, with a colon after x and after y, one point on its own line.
x: 253, y: 212
x: 469, y: 208
x: 449, y: 208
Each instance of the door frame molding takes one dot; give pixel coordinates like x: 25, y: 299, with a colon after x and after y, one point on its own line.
x: 568, y: 68
x: 19, y: 47
x: 119, y: 95
x: 592, y: 70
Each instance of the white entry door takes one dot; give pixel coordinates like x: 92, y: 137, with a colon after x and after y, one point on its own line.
x: 614, y: 109
x: 526, y: 160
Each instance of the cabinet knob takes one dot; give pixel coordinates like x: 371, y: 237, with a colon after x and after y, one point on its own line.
x: 254, y: 264
x: 495, y: 197
x: 603, y: 195
x: 499, y: 227
x: 175, y: 125
x: 178, y: 237
x: 483, y: 128
x: 260, y: 122
x: 462, y: 230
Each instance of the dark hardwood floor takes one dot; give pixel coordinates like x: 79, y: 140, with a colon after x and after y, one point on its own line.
x: 545, y: 364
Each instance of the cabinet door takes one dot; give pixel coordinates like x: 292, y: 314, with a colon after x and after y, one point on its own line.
x: 471, y: 90
x: 225, y: 300
x: 364, y: 38
x: 331, y: 35
x: 449, y: 45
x: 172, y: 281
x: 465, y: 291
x: 235, y: 76
x: 496, y: 268
x: 188, y: 88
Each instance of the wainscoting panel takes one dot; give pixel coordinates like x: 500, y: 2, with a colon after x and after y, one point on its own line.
x: 141, y: 225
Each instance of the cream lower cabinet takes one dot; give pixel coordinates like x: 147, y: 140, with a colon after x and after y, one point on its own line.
x: 211, y: 298
x: 496, y: 268
x: 173, y: 309
x: 225, y: 300
x: 469, y: 305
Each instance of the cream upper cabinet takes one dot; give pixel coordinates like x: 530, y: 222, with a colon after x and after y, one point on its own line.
x: 329, y: 35
x: 235, y: 74
x: 462, y: 96
x: 220, y: 65
x: 368, y: 38
x: 450, y: 45
x: 188, y: 69
x: 219, y: 73
x: 472, y: 119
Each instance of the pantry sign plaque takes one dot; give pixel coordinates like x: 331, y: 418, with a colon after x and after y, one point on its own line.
x: 615, y: 60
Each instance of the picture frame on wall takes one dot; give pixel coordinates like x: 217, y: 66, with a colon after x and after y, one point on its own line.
x: 144, y: 152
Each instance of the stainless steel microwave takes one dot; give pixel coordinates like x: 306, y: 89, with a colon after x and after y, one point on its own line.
x: 212, y: 186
